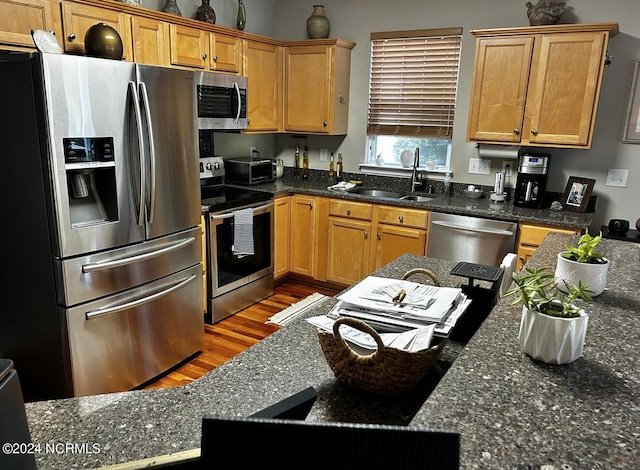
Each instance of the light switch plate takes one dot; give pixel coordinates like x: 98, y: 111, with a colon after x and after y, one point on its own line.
x: 617, y: 178
x: 479, y: 166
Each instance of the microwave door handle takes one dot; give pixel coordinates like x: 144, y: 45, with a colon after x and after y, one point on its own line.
x: 235, y: 85
x: 135, y: 303
x: 137, y: 114
x: 152, y: 153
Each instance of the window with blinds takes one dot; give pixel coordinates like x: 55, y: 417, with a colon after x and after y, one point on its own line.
x: 412, y: 93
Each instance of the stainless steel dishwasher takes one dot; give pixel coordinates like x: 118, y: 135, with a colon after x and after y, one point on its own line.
x: 471, y: 239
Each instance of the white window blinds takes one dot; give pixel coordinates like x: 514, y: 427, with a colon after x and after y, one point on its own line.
x: 413, y: 82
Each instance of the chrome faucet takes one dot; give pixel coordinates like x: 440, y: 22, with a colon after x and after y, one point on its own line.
x: 415, y: 181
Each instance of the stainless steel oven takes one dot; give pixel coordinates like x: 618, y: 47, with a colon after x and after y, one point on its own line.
x: 237, y: 281
x: 236, y: 278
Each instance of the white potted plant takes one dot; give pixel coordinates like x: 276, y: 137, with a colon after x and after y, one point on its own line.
x: 583, y: 263
x: 553, y: 327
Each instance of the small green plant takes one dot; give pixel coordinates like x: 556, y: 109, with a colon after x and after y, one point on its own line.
x: 536, y: 289
x: 585, y: 251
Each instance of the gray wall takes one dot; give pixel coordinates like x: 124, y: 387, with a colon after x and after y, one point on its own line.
x: 355, y: 19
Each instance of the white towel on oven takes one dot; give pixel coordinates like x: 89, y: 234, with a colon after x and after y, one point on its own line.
x: 243, y: 233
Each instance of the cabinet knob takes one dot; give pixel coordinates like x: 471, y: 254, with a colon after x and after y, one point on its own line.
x: 400, y: 218
x: 310, y: 206
x: 71, y: 37
x: 534, y: 131
x: 378, y: 236
x: 348, y: 211
x: 341, y: 98
x: 215, y: 58
x: 366, y: 234
x: 516, y: 131
x: 324, y: 123
x: 204, y: 56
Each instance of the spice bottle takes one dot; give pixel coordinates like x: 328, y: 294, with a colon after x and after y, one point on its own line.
x: 331, y: 166
x: 305, y: 163
x: 296, y: 162
x: 339, y: 174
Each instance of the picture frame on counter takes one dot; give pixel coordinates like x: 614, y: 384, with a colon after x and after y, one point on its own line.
x: 632, y: 120
x: 577, y: 193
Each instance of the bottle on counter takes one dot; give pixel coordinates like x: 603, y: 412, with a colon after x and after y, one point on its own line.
x: 305, y: 163
x: 296, y: 162
x: 447, y: 184
x: 332, y: 170
x: 339, y: 174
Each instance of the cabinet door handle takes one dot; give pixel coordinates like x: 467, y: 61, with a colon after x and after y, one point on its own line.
x: 534, y: 131
x: 366, y: 234
x: 516, y: 131
x: 204, y: 56
x: 378, y: 236
x: 401, y: 219
x: 324, y: 123
x: 348, y: 211
x: 71, y: 37
x: 310, y: 206
x: 215, y: 58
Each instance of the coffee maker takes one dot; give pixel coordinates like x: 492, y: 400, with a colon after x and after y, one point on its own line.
x: 531, y: 181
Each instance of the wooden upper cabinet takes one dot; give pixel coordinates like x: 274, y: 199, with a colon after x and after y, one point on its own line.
x: 225, y: 53
x: 264, y: 96
x: 77, y: 18
x: 189, y: 46
x: 317, y: 77
x: 539, y: 85
x: 150, y: 41
x: 19, y: 17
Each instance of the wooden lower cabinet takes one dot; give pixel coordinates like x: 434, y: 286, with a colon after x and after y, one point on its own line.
x: 308, y: 244
x: 354, y: 252
x: 282, y: 236
x: 530, y: 236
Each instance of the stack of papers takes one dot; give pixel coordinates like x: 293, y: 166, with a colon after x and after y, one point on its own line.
x: 342, y: 186
x: 406, y: 312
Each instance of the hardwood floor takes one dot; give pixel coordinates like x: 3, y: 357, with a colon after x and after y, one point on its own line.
x: 236, y: 333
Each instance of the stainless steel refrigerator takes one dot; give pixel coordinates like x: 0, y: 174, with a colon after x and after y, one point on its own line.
x: 100, y: 213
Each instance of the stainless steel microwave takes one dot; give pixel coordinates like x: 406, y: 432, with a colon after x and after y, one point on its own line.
x: 222, y: 101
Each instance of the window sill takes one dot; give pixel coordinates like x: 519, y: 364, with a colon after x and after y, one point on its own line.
x: 398, y: 171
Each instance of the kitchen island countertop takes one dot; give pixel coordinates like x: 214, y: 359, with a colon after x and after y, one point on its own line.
x: 513, y: 412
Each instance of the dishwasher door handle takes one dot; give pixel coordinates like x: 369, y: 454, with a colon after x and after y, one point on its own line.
x: 492, y: 231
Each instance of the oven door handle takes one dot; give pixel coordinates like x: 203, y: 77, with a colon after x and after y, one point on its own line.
x: 491, y: 231
x: 135, y: 303
x: 230, y: 214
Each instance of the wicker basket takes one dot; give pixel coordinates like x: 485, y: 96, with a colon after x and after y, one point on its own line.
x: 387, y: 371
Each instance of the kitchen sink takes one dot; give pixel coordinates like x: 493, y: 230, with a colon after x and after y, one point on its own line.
x: 378, y: 193
x: 416, y: 198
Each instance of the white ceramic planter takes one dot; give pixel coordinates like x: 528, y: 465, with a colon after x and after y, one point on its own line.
x: 592, y: 275
x: 553, y: 340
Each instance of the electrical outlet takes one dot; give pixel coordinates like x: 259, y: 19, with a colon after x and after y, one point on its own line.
x: 479, y: 166
x: 507, y: 166
x: 323, y: 155
x: 617, y: 178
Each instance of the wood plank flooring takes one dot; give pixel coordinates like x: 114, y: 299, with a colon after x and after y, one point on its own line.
x: 236, y: 333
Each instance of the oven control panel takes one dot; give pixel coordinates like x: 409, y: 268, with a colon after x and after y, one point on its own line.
x: 211, y: 167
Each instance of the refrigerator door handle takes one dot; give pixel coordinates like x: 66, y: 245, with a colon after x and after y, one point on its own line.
x: 101, y: 266
x: 235, y: 85
x: 152, y: 153
x: 143, y: 176
x: 91, y: 314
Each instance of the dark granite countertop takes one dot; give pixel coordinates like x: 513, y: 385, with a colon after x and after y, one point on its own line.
x: 512, y: 411
x: 458, y: 203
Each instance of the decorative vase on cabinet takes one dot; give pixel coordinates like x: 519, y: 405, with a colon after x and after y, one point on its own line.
x: 242, y: 16
x: 171, y: 6
x: 317, y: 24
x: 206, y: 13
